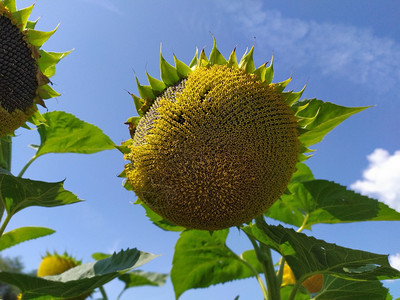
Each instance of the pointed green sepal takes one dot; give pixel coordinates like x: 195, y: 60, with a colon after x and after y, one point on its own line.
x: 138, y: 104
x: 247, y: 63
x: 38, y: 38
x: 299, y: 108
x: 48, y: 60
x: 195, y: 59
x: 168, y: 73
x: 183, y: 69
x: 124, y: 148
x: 216, y: 58
x: 280, y: 86
x: 145, y: 91
x: 232, y: 61
x: 264, y: 73
x: 132, y: 122
x: 36, y: 119
x: 203, y: 60
x: 47, y: 92
x: 10, y: 4
x: 305, y: 121
x: 23, y: 15
x: 31, y: 24
x: 156, y: 85
x: 292, y: 97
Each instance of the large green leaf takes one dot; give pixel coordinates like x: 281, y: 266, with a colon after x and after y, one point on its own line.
x: 307, y: 255
x: 202, y: 259
x: 327, y: 116
x: 23, y: 234
x: 79, y: 280
x: 336, y: 288
x: 323, y: 201
x: 63, y: 133
x: 18, y: 193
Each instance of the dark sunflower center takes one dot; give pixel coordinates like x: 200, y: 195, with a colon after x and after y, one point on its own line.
x: 18, y: 69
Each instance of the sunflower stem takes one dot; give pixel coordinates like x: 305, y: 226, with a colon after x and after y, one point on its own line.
x: 259, y: 279
x: 103, y: 293
x: 5, y: 162
x: 27, y: 165
x: 4, y: 225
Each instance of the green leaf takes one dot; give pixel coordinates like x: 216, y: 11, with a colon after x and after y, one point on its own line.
x: 324, y: 201
x: 81, y: 279
x: 100, y: 255
x: 301, y: 293
x: 140, y: 278
x: 22, y: 234
x: 10, y: 4
x: 145, y: 91
x: 18, y: 193
x: 194, y: 61
x: 38, y: 38
x: 48, y: 60
x: 308, y: 256
x: 330, y: 115
x: 202, y: 259
x: 160, y: 221
x: 335, y: 288
x: 64, y: 133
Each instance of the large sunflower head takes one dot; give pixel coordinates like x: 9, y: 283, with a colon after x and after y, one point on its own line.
x: 215, y: 143
x: 24, y: 68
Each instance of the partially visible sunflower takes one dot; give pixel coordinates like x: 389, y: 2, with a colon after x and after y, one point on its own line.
x: 215, y: 143
x: 25, y: 68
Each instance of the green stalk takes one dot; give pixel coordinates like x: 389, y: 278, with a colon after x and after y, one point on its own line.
x: 27, y: 165
x: 103, y: 293
x: 266, y: 259
x: 4, y: 225
x: 259, y: 279
x: 5, y: 162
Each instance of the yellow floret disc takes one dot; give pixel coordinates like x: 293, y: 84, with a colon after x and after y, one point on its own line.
x: 215, y: 150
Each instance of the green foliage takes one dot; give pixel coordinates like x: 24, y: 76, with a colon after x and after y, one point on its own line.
x: 23, y: 234
x: 64, y: 133
x: 202, y: 259
x: 19, y: 193
x: 79, y: 280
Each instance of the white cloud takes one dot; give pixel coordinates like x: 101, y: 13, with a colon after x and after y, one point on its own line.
x: 381, y: 179
x: 394, y: 261
x: 350, y: 52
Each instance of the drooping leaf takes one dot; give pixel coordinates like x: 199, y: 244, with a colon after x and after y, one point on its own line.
x: 330, y: 115
x: 18, y: 193
x: 202, y: 259
x: 79, y: 280
x: 308, y: 256
x: 19, y: 235
x: 65, y: 133
x: 335, y: 288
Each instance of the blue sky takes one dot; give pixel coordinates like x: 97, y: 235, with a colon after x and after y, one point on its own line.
x: 348, y: 52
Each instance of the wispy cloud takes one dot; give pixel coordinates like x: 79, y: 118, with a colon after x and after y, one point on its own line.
x: 381, y: 178
x: 350, y: 52
x: 107, y: 5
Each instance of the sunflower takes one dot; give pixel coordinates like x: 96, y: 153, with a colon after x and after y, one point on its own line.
x: 215, y: 143
x: 24, y: 68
